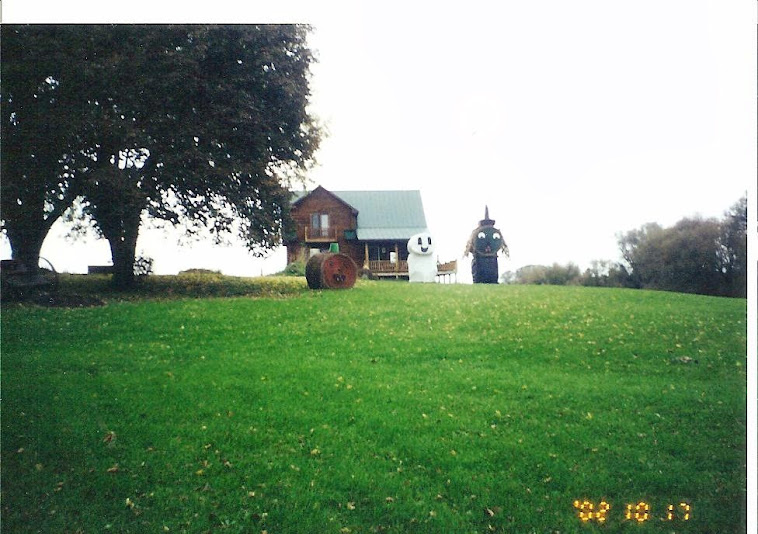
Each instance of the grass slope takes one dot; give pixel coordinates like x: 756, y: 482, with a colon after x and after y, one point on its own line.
x: 385, y: 408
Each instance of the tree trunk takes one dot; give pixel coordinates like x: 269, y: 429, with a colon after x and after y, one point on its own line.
x: 123, y: 252
x: 27, y: 224
x: 26, y: 249
x: 26, y: 238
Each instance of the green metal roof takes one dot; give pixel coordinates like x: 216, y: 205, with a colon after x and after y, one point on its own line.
x: 384, y: 215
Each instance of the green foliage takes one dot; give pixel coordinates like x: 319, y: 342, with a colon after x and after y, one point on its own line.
x: 200, y: 271
x: 385, y: 408
x: 695, y: 255
x: 605, y: 274
x: 557, y: 275
x: 733, y: 243
x: 37, y: 188
x: 134, y: 137
x: 194, y: 283
x: 143, y: 266
x: 599, y: 274
x: 296, y: 268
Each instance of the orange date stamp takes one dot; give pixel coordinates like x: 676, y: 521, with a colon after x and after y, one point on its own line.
x: 639, y: 512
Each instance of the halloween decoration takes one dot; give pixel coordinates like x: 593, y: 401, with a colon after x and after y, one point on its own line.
x: 330, y: 271
x: 422, y: 265
x: 485, y: 243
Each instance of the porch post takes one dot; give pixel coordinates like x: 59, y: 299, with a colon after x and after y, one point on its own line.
x: 365, y: 257
x: 397, y: 257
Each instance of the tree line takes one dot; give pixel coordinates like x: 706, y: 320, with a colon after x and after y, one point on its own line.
x: 200, y: 126
x: 695, y: 255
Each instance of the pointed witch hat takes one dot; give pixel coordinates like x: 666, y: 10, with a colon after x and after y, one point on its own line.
x: 487, y: 221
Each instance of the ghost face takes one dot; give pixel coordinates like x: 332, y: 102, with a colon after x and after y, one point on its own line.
x: 421, y: 244
x: 488, y: 241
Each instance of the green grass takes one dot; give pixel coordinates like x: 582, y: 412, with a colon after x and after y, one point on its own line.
x: 384, y: 408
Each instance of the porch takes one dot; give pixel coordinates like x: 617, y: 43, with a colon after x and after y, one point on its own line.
x: 323, y: 235
x: 446, y: 272
x: 388, y: 268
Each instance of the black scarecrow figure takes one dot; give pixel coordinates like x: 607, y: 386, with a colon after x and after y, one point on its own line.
x: 485, y: 242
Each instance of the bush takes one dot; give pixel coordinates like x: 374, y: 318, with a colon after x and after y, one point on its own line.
x: 199, y: 271
x: 696, y: 255
x: 556, y: 275
x: 193, y: 285
x: 606, y: 274
x: 296, y: 268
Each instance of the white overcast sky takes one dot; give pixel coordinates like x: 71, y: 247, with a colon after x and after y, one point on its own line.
x: 573, y: 121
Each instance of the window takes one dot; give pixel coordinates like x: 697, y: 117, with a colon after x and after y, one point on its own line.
x: 320, y: 224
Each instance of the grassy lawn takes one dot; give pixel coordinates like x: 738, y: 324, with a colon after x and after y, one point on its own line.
x: 390, y: 407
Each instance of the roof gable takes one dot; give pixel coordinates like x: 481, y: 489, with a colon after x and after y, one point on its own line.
x: 299, y: 196
x: 382, y: 215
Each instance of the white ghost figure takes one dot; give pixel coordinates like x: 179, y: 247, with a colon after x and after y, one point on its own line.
x: 422, y: 264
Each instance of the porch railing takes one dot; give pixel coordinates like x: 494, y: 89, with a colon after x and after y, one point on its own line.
x: 386, y: 266
x: 321, y: 234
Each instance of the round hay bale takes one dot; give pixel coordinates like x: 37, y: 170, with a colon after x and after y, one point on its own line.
x: 331, y: 271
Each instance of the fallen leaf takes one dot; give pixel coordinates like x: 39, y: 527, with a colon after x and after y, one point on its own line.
x: 113, y: 469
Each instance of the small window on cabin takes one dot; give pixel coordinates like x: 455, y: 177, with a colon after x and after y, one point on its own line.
x: 320, y: 223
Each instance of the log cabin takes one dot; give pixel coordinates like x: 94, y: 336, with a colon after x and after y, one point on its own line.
x: 372, y: 227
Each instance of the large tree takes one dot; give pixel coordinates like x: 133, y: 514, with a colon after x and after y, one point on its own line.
x: 734, y: 249
x: 37, y: 130
x: 695, y: 255
x: 201, y: 125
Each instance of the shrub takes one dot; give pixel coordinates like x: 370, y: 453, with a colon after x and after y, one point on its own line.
x: 199, y: 271
x: 192, y: 285
x: 296, y: 268
x: 606, y: 274
x: 556, y: 275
